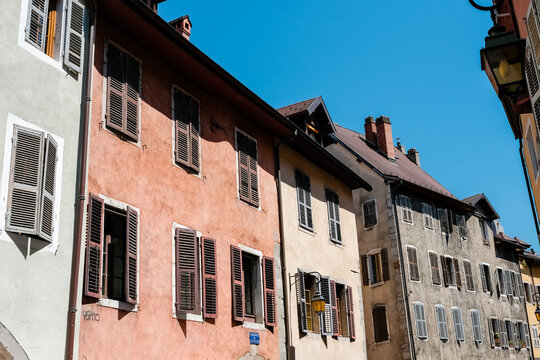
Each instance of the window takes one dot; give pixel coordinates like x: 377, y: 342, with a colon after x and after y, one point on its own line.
x: 248, y: 178
x: 435, y: 273
x: 528, y: 292
x: 32, y: 183
x: 370, y: 213
x: 508, y: 283
x: 536, y: 339
x: 485, y: 232
x: 443, y: 218
x: 334, y: 225
x: 532, y: 152
x: 500, y: 281
x: 441, y: 322
x: 375, y: 267
x: 494, y: 332
x: 462, y: 226
x: 111, y: 252
x: 123, y: 88
x: 340, y: 324
x: 253, y: 288
x: 303, y: 190
x: 458, y: 324
x: 510, y: 333
x: 186, y: 129
x: 380, y: 326
x: 503, y: 334
x: 468, y: 275
x: 485, y: 274
x: 413, y: 264
x: 427, y: 210
x: 420, y: 318
x: 406, y: 208
x: 194, y: 272
x: 477, y: 328
x: 449, y: 271
x: 525, y: 340
x: 43, y: 30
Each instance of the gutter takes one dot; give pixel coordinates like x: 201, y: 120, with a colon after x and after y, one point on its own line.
x: 81, y: 192
x: 531, y: 198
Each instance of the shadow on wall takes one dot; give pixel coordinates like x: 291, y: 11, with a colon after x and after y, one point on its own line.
x: 9, y: 347
x: 27, y: 245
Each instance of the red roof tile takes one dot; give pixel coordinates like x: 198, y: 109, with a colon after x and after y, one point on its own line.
x: 296, y: 108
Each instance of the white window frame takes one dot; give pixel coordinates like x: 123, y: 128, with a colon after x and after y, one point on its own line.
x: 406, y: 209
x: 376, y: 214
x: 441, y: 323
x: 417, y: 264
x: 374, y: 252
x: 536, y: 338
x: 478, y: 325
x: 256, y: 325
x: 428, y: 217
x: 420, y: 323
x: 441, y: 275
x: 458, y: 323
x: 465, y: 275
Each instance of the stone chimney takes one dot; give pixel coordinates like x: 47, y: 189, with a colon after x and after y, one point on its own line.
x: 414, y: 156
x: 371, y: 130
x: 385, y: 141
x: 182, y: 25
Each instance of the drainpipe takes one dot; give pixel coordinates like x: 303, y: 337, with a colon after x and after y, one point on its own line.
x: 403, y: 277
x: 81, y: 192
x: 533, y: 291
x: 531, y: 198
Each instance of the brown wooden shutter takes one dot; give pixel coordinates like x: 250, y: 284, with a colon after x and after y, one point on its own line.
x: 253, y: 175
x: 301, y: 198
x: 115, y: 89
x: 237, y: 277
x: 242, y: 144
x: 47, y: 194
x: 365, y: 275
x: 182, y: 124
x: 94, y: 234
x: 385, y: 268
x: 37, y: 23
x: 350, y: 313
x: 187, y: 272
x: 333, y: 295
x: 379, y: 323
x: 458, y: 273
x: 413, y: 264
x: 194, y: 133
x: 269, y: 291
x: 450, y: 222
x: 301, y: 299
x: 435, y: 274
x: 130, y: 274
x: 210, y: 293
x: 25, y: 181
x: 444, y: 270
x: 73, y: 50
x: 132, y: 85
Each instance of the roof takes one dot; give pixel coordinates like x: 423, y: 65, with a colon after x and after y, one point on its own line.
x: 315, y: 112
x: 530, y: 255
x: 296, y: 108
x: 482, y: 206
x: 173, y: 22
x: 511, y: 241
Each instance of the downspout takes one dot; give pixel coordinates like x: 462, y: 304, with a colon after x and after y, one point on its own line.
x: 81, y: 192
x: 531, y: 198
x: 403, y: 277
x: 526, y: 313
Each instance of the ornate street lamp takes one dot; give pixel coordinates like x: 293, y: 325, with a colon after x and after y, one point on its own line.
x: 317, y: 301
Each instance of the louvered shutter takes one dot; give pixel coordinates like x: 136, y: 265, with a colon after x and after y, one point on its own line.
x: 384, y: 261
x: 132, y: 85
x: 334, y: 225
x: 73, y: 52
x: 468, y: 275
x: 458, y: 324
x: 307, y: 192
x: 36, y: 23
x: 503, y: 334
x: 326, y: 326
x: 420, y: 320
x: 458, y: 273
x: 25, y: 181
x: 444, y: 271
x: 350, y: 313
x: 194, y: 133
x: 483, y: 276
x: 301, y: 198
x: 379, y: 323
x: 237, y: 277
x: 47, y: 194
x: 242, y: 143
x: 435, y: 274
x: 187, y: 279
x: 115, y: 88
x: 441, y: 322
x: 532, y: 56
x: 253, y: 175
x: 269, y: 291
x: 413, y: 264
x: 210, y: 293
x: 450, y: 221
x: 491, y: 333
x: 301, y: 299
x: 182, y: 124
x: 500, y: 280
x: 462, y: 226
x: 365, y: 275
x: 130, y: 274
x: 333, y: 295
x: 477, y: 330
x: 94, y: 235
x: 508, y: 283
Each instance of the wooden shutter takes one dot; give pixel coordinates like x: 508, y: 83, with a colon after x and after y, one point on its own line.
x: 194, y: 133
x: 468, y: 275
x: 413, y: 264
x: 73, y: 52
x: 458, y: 273
x: 187, y: 279
x: 115, y: 88
x: 334, y: 225
x: 365, y: 274
x: 47, y: 194
x: 209, y: 274
x: 182, y: 124
x: 94, y: 235
x: 350, y: 313
x: 237, y: 277
x: 491, y: 333
x: 333, y: 296
x: 444, y: 270
x: 253, y: 175
x: 326, y: 326
x: 132, y: 85
x: 483, y: 276
x: 379, y: 323
x: 36, y: 23
x: 435, y: 273
x: 269, y: 291
x: 384, y: 261
x: 130, y: 274
x: 242, y: 145
x: 301, y: 299
x: 303, y: 188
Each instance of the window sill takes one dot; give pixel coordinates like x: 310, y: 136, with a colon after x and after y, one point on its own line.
x: 337, y: 244
x: 382, y: 342
x: 116, y: 304
x: 371, y: 227
x: 189, y: 317
x: 253, y: 326
x: 58, y: 65
x: 343, y: 338
x: 376, y: 284
x: 306, y: 230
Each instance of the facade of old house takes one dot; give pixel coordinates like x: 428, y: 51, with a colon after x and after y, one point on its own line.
x: 529, y: 263
x: 42, y: 54
x: 436, y: 281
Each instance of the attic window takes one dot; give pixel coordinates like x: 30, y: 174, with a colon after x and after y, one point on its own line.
x: 186, y: 25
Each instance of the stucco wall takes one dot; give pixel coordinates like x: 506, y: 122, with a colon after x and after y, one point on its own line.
x: 528, y: 125
x: 530, y: 273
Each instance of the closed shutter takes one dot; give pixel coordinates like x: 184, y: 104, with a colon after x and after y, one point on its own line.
x: 303, y: 188
x: 491, y: 333
x: 380, y: 327
x: 350, y: 313
x: 365, y: 274
x: 334, y: 225
x: 435, y: 273
x: 130, y: 275
x: 421, y: 329
x: 237, y: 277
x: 413, y: 264
x: 247, y: 169
x: 370, y: 213
x: 483, y: 276
x: 301, y: 299
x: 194, y: 133
x: 182, y: 123
x: 132, y: 84
x: 519, y: 281
x: 25, y: 181
x: 477, y: 329
x: 326, y: 326
x: 94, y: 235
x: 458, y: 273
x: 209, y: 274
x: 253, y: 175
x: 441, y: 322
x: 47, y: 194
x: 36, y: 23
x: 468, y: 275
x: 269, y: 291
x: 335, y: 327
x: 532, y: 56
x: 115, y: 89
x: 384, y: 261
x: 536, y: 338
x: 508, y: 283
x: 73, y: 53
x: 458, y: 324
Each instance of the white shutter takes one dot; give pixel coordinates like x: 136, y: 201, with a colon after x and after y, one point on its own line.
x: 36, y: 23
x: 441, y: 322
x: 483, y: 276
x: 536, y: 340
x: 458, y: 324
x: 421, y: 328
x: 74, y: 42
x: 407, y: 208
x: 47, y: 193
x: 477, y: 329
x: 508, y: 283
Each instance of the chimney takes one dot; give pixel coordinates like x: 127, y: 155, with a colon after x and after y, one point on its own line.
x: 152, y: 4
x: 414, y: 156
x: 400, y: 146
x: 384, y: 136
x: 371, y: 130
x: 182, y: 25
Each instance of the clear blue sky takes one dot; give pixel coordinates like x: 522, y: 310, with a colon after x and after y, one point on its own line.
x: 414, y: 61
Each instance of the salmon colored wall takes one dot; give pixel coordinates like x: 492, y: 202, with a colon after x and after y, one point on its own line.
x: 144, y: 177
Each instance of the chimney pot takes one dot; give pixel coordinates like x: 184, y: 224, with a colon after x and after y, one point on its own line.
x: 182, y: 25
x: 413, y: 155
x: 371, y: 130
x: 384, y: 136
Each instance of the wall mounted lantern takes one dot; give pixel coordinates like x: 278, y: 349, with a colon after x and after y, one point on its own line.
x: 317, y: 301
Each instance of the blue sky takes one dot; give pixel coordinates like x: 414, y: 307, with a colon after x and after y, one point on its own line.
x: 416, y: 62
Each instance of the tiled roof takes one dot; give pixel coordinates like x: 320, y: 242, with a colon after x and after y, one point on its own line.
x: 515, y: 241
x: 530, y: 255
x: 403, y: 168
x: 296, y: 108
x: 471, y: 200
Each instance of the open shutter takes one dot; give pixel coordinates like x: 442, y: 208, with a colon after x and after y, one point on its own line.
x: 350, y: 313
x: 242, y: 145
x: 47, y: 194
x: 384, y: 261
x: 491, y: 333
x: 444, y: 270
x: 94, y: 231
x: 209, y: 273
x: 301, y: 198
x: 73, y: 52
x: 237, y: 276
x: 331, y: 216
x: 413, y: 264
x: 187, y: 280
x: 301, y: 298
x: 269, y: 291
x: 365, y: 277
x: 181, y: 126
x: 132, y: 85
x: 25, y: 181
x: 130, y: 274
x: 458, y: 273
x: 333, y: 295
x: 307, y: 192
x: 483, y: 276
x: 326, y: 325
x: 115, y: 88
x: 253, y: 175
x: 194, y: 133
x: 36, y: 23
x: 434, y: 264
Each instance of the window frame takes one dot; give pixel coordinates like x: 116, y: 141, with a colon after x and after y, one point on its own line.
x: 451, y: 272
x: 536, y: 338
x: 442, y: 322
x: 380, y: 306
x: 190, y: 167
x: 448, y: 224
x: 411, y: 265
x: 478, y: 326
x: 458, y: 222
x: 484, y: 276
x: 367, y: 227
x: 458, y: 324
x: 436, y: 257
x: 470, y: 276
x: 422, y: 321
x: 428, y: 217
x: 371, y: 278
x: 238, y: 180
x: 406, y: 208
x: 484, y: 232
x: 305, y: 226
x: 337, y: 218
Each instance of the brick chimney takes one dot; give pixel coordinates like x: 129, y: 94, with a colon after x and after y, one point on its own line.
x: 182, y: 25
x: 385, y: 141
x: 371, y: 130
x: 152, y: 4
x: 414, y: 156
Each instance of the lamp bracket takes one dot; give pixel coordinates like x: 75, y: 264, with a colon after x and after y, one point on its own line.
x: 495, y: 5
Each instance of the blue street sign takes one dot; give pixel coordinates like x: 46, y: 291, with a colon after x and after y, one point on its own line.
x: 254, y: 338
